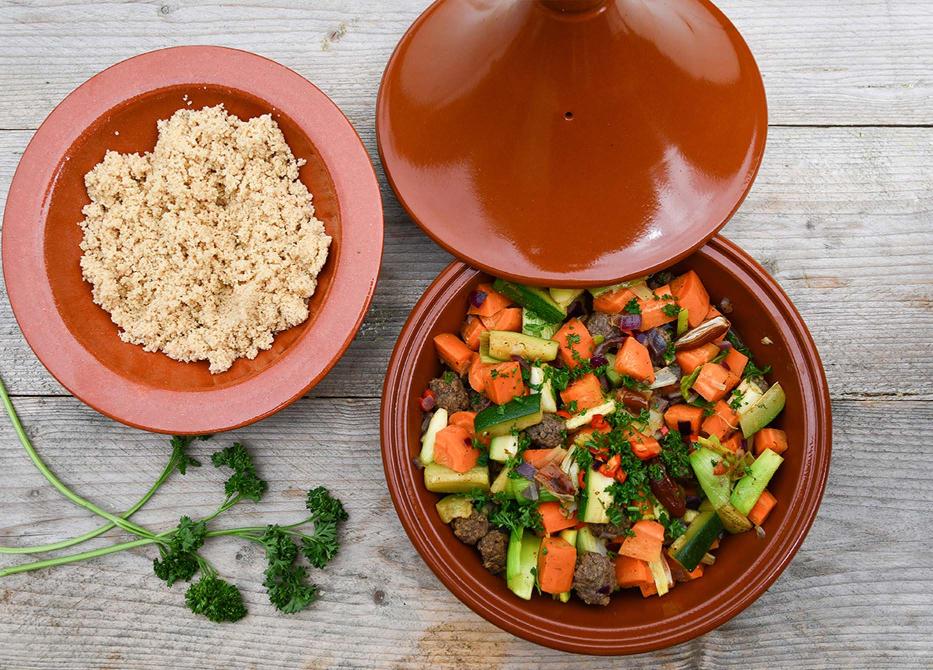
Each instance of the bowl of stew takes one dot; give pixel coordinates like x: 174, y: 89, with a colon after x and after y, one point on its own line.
x: 613, y: 470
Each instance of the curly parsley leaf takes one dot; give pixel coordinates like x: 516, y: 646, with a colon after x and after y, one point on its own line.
x: 675, y: 455
x: 244, y: 482
x: 182, y: 460
x: 286, y: 581
x: 178, y: 562
x: 216, y: 599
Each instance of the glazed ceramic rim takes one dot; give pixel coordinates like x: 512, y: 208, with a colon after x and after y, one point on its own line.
x: 512, y: 616
x: 309, y: 358
x: 561, y: 279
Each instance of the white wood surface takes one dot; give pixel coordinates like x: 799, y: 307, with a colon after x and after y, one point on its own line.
x: 842, y: 214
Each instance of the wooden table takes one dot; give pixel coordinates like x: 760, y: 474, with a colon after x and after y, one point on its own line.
x: 841, y: 214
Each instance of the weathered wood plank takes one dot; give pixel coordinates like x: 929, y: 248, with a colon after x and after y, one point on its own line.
x: 836, y: 606
x: 843, y: 217
x: 834, y: 62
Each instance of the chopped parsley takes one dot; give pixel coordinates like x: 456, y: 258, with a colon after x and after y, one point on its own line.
x: 736, y: 401
x: 671, y: 309
x: 675, y: 455
x: 632, y: 307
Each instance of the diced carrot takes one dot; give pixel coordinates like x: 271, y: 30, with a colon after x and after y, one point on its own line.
x: 575, y: 342
x: 553, y: 519
x: 643, y: 446
x: 733, y: 443
x: 453, y: 352
x: 648, y: 590
x: 652, y: 311
x: 722, y: 422
x: 770, y: 438
x: 504, y: 382
x: 634, y: 360
x: 494, y: 302
x: 478, y: 375
x: 471, y: 330
x: 465, y: 419
x: 735, y: 361
x: 692, y: 296
x: 676, y: 414
x: 586, y: 392
x: 509, y: 318
x: 557, y: 559
x: 541, y: 457
x: 645, y: 544
x: 762, y: 508
x: 713, y: 382
x: 632, y: 572
x: 613, y: 302
x: 453, y: 448
x: 690, y: 359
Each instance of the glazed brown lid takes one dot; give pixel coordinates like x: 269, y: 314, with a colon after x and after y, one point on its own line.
x: 571, y: 142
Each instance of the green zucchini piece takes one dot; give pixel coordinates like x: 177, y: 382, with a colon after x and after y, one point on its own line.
x: 748, y: 489
x: 504, y: 344
x: 745, y: 395
x: 503, y: 447
x: 565, y: 296
x: 454, y: 506
x: 541, y: 383
x: 762, y: 411
x: 615, y: 379
x: 521, y: 562
x: 584, y: 418
x: 517, y: 414
x: 501, y: 482
x: 516, y: 489
x: 534, y: 325
x: 537, y: 300
x: 484, y: 355
x: 690, y: 547
x: 437, y: 423
x: 716, y: 487
x: 598, y: 497
x: 586, y: 541
x: 683, y: 321
x: 439, y: 479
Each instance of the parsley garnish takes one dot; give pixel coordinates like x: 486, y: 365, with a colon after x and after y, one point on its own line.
x: 671, y: 309
x: 632, y: 307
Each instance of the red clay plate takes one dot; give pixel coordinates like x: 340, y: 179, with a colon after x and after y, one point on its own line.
x: 118, y: 109
x: 571, y: 142
x: 745, y: 565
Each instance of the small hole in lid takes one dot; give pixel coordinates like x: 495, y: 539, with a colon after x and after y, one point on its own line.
x: 568, y: 116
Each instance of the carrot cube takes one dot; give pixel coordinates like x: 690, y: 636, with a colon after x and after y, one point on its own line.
x: 762, y: 508
x: 453, y: 448
x: 634, y: 360
x: 576, y: 344
x: 453, y: 352
x: 557, y: 559
x: 504, y: 382
x: 770, y: 438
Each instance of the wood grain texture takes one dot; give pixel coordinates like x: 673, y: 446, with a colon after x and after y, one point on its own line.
x: 842, y: 216
x: 830, y: 62
x: 857, y: 594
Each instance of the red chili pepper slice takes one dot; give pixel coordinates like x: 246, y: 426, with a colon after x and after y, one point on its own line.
x: 621, y: 476
x: 563, y: 413
x: 580, y: 479
x: 598, y: 421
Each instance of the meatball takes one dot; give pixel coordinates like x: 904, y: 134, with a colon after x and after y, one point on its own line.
x: 610, y: 530
x: 549, y: 433
x: 493, y: 548
x: 594, y: 578
x: 471, y: 529
x: 600, y: 324
x: 449, y: 393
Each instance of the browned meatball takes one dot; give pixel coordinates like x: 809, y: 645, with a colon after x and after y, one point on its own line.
x: 594, y: 578
x: 610, y: 530
x: 600, y: 324
x: 471, y: 529
x: 494, y: 548
x: 450, y: 393
x: 549, y: 433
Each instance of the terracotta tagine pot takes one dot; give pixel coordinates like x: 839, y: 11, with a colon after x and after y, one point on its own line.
x: 579, y: 143
x: 571, y: 142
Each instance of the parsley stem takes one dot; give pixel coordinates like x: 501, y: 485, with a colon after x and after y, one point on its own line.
x: 128, y: 526
x: 100, y: 530
x: 74, y: 558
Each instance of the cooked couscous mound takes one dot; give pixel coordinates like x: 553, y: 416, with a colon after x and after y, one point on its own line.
x: 208, y: 246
